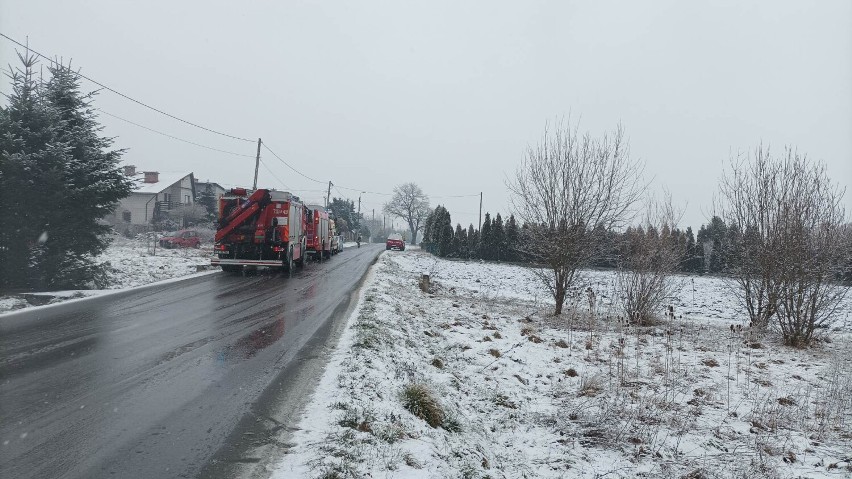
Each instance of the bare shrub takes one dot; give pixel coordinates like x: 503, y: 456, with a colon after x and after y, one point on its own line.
x: 749, y: 193
x: 567, y: 186
x: 789, y: 256
x: 811, y: 247
x: 647, y: 260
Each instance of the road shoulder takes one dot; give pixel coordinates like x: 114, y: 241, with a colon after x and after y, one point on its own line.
x: 264, y: 434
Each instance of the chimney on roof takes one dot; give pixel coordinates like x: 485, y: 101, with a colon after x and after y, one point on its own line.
x: 129, y: 170
x: 152, y: 176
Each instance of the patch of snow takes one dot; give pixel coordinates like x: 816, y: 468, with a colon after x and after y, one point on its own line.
x: 135, y: 263
x: 131, y: 263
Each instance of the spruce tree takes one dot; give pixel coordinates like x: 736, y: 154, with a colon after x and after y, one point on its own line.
x: 343, y: 209
x: 716, y: 256
x: 59, y: 178
x: 498, y: 238
x: 690, y: 263
x: 460, y: 242
x: 732, y: 247
x: 485, y: 240
x: 207, y: 199
x: 427, y: 239
x: 512, y: 239
x: 472, y: 242
x: 94, y: 184
x: 442, y: 231
x: 700, y: 258
x: 29, y: 156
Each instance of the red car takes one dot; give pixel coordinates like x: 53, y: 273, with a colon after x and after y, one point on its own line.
x: 181, y: 239
x: 395, y: 241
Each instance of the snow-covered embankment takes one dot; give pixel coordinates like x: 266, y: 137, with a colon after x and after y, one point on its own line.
x: 511, y: 392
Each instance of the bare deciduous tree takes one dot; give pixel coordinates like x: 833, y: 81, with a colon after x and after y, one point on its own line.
x: 188, y: 214
x: 567, y: 185
x: 649, y: 257
x: 411, y: 204
x: 786, y: 263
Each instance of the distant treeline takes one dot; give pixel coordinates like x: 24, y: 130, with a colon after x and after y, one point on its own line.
x: 715, y: 249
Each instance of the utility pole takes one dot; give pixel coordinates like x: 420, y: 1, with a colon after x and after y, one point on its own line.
x: 479, y: 226
x: 256, y: 165
x: 328, y: 195
x: 359, y: 212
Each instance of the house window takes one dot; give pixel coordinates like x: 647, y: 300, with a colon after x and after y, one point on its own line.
x: 186, y: 199
x: 126, y: 216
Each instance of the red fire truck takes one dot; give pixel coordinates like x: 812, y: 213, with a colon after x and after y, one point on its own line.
x: 264, y: 228
x: 318, y: 232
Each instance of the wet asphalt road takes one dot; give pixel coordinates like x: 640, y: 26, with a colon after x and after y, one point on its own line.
x: 159, y: 381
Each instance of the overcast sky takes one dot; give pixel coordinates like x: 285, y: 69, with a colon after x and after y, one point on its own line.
x: 449, y: 94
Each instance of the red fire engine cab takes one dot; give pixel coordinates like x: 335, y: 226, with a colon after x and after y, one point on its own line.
x: 264, y: 228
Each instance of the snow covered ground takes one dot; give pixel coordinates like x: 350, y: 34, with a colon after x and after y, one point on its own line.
x: 132, y: 263
x: 514, y: 393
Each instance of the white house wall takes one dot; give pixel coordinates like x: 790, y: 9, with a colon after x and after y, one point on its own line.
x: 141, y: 205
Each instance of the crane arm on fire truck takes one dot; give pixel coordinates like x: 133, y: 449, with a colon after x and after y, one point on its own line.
x: 256, y: 201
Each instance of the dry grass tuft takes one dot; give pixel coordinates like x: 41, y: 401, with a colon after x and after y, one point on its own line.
x: 504, y: 401
x: 494, y: 352
x: 412, y: 461
x: 590, y: 386
x: 418, y: 400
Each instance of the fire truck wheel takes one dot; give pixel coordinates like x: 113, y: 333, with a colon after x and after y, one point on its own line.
x: 288, y: 261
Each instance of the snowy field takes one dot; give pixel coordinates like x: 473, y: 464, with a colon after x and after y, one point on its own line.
x: 131, y: 263
x: 510, y: 392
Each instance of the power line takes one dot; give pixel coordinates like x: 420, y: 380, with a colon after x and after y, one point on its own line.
x: 342, y: 196
x: 430, y: 196
x: 363, y: 191
x: 273, y: 175
x: 210, y: 130
x: 288, y: 165
x: 455, y: 196
x: 172, y: 136
x: 126, y: 96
